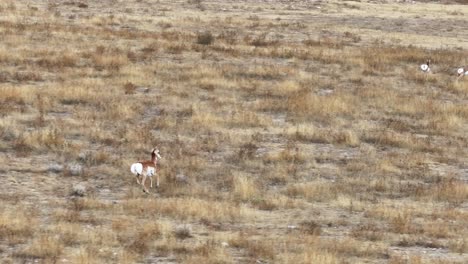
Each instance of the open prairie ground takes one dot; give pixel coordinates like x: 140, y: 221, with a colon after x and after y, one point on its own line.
x: 291, y: 131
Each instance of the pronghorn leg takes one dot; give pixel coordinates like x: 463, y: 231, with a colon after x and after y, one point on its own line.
x: 157, y: 180
x: 143, y: 183
x: 137, y: 178
x: 151, y: 181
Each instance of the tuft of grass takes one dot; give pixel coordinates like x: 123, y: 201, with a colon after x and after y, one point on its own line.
x: 369, y: 232
x: 187, y: 208
x: 311, y: 227
x: 208, y: 252
x: 59, y: 62
x: 129, y: 88
x: 244, y: 188
x: 313, y: 191
x: 46, y: 246
x: 402, y: 224
x: 459, y: 87
x: 86, y: 255
x: 12, y: 99
x: 256, y: 249
x: 205, y: 38
x: 309, y: 133
x: 450, y: 190
x: 110, y: 62
x: 312, y: 255
x: 310, y: 106
x: 459, y: 245
x: 16, y: 226
x: 45, y: 138
x: 394, y: 139
x: 141, y: 242
x: 261, y: 40
x: 243, y: 118
x: 26, y: 76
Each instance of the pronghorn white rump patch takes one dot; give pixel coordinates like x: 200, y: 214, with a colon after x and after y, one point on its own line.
x: 424, y: 67
x: 136, y: 168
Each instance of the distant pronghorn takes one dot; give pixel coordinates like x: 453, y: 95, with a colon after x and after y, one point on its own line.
x: 426, y: 67
x: 147, y: 168
x: 462, y: 71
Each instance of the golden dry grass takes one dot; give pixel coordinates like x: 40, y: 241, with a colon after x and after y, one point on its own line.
x: 291, y: 131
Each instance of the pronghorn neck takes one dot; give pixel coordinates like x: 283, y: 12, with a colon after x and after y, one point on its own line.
x: 154, y: 158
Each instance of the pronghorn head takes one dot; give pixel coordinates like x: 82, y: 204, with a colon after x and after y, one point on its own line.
x: 156, y: 152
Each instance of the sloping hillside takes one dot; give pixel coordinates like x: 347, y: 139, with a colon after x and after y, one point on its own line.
x: 290, y: 131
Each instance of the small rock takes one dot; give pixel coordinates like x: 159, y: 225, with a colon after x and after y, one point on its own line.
x: 181, y: 178
x: 183, y: 231
x: 83, y: 156
x: 325, y: 92
x: 79, y: 189
x: 75, y: 169
x: 55, y: 167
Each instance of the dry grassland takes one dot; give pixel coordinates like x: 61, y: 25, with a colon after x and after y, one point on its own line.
x: 291, y: 131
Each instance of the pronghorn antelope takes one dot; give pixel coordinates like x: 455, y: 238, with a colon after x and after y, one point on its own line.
x: 426, y: 67
x: 462, y: 71
x: 147, y: 168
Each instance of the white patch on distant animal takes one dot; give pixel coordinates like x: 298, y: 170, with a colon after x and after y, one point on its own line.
x: 424, y: 67
x: 461, y: 71
x: 136, y: 168
x: 150, y: 171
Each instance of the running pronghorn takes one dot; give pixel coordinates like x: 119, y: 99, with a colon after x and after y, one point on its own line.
x: 462, y: 71
x: 426, y: 67
x: 147, y: 168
